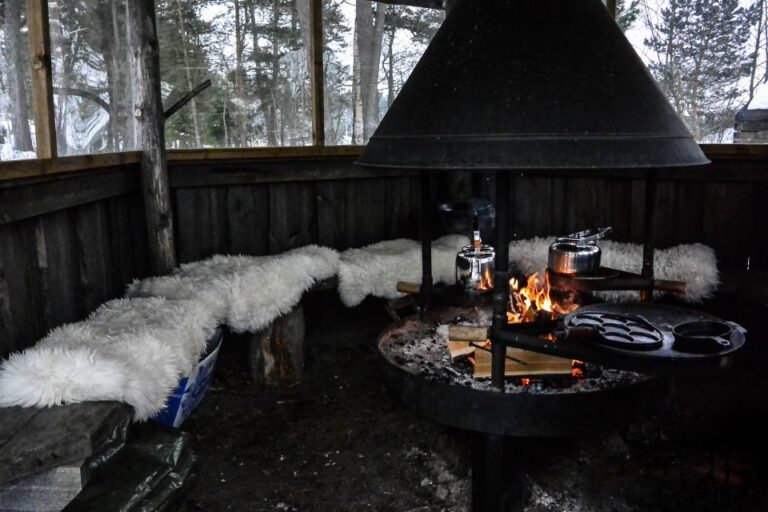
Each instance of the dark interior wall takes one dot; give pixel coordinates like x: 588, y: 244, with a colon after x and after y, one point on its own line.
x: 722, y: 205
x: 69, y: 243
x: 66, y: 245
x: 268, y: 207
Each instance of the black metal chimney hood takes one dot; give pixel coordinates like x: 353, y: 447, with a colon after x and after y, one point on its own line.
x: 529, y: 84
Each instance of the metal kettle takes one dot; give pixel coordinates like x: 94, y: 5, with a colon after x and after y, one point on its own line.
x: 475, y: 265
x: 577, y: 253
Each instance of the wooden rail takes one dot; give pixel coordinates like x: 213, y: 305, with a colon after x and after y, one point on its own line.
x: 17, y: 169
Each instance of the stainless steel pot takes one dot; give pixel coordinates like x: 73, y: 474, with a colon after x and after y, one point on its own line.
x: 576, y: 253
x: 569, y: 258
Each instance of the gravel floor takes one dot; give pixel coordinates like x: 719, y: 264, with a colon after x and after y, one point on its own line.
x: 337, y: 442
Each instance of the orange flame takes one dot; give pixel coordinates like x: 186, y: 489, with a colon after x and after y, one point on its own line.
x: 486, y: 281
x: 530, y: 301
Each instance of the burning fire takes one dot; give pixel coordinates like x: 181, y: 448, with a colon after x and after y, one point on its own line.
x: 532, y: 301
x: 486, y: 281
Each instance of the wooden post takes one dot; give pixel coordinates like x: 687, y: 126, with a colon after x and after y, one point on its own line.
x: 611, y: 6
x: 276, y: 354
x: 317, y: 73
x: 42, y: 83
x: 148, y: 110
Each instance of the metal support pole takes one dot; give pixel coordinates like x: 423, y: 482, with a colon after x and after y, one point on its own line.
x: 500, y: 281
x: 426, y: 240
x: 499, y: 464
x: 649, y: 235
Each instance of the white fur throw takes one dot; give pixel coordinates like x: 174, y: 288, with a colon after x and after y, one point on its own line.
x: 129, y: 350
x: 245, y: 292
x: 695, y: 264
x: 376, y: 269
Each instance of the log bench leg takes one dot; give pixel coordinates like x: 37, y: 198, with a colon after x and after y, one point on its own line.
x: 276, y: 354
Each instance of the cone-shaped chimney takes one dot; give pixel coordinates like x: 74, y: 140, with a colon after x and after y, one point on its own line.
x: 525, y: 84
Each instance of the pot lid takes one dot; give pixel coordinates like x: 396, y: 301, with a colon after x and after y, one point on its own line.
x: 528, y: 84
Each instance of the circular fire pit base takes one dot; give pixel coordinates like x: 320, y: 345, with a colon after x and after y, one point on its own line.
x: 420, y: 372
x: 525, y: 414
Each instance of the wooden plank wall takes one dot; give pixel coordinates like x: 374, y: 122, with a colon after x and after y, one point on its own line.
x: 66, y: 246
x: 69, y: 243
x: 266, y: 208
x: 723, y: 206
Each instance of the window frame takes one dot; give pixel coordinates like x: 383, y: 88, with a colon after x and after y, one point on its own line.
x: 49, y: 163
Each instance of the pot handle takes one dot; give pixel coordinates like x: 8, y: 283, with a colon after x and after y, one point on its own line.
x: 587, y: 236
x: 737, y: 327
x: 722, y: 341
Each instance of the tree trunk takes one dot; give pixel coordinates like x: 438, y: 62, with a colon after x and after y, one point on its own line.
x: 105, y: 13
x: 391, y: 67
x: 758, y: 44
x: 357, y: 95
x: 149, y: 113
x: 369, y: 34
x: 272, y: 124
x: 303, y: 16
x: 190, y: 85
x: 15, y: 44
x: 239, y: 76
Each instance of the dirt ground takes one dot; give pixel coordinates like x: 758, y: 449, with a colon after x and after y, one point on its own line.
x: 338, y: 442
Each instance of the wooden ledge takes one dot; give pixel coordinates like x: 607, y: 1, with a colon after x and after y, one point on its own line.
x: 24, y: 169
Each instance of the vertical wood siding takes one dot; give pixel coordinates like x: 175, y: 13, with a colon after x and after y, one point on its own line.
x: 59, y: 266
x: 273, y: 217
x: 67, y: 245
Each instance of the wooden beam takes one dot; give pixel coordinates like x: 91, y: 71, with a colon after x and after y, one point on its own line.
x: 33, y: 198
x: 223, y: 173
x: 429, y: 4
x: 14, y: 170
x: 736, y: 151
x: 262, y: 153
x: 317, y: 73
x: 148, y: 111
x: 42, y: 82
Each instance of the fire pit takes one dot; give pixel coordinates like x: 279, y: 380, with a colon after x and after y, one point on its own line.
x: 424, y: 376
x: 419, y: 369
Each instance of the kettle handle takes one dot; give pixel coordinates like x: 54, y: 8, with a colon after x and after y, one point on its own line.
x: 586, y: 236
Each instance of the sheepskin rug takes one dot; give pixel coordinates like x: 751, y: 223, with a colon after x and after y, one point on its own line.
x: 695, y: 264
x: 245, y: 292
x: 376, y: 269
x: 129, y: 350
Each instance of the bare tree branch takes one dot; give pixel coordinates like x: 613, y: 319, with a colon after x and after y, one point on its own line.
x: 186, y: 98
x: 74, y: 91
